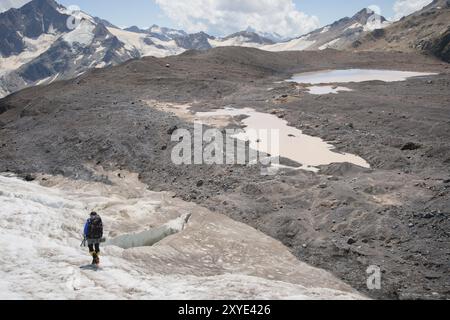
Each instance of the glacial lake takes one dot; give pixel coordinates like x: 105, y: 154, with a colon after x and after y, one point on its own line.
x: 354, y: 75
x: 309, y: 151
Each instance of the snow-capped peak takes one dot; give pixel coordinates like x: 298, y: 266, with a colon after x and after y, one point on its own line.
x: 337, y: 35
x: 166, y: 31
x: 83, y: 34
x: 370, y: 19
x: 273, y: 36
x: 65, y: 35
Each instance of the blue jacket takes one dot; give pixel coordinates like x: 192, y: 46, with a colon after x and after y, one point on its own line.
x: 86, y: 227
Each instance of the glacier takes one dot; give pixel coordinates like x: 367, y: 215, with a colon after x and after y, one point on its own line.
x: 207, y: 256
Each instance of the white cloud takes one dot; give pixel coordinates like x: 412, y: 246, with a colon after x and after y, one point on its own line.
x: 5, y: 5
x: 376, y: 9
x: 406, y: 7
x: 227, y: 16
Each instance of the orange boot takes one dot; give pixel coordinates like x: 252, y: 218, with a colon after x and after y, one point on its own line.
x: 96, y: 258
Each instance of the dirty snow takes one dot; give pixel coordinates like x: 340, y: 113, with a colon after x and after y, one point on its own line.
x: 3, y: 92
x: 44, y: 81
x: 33, y: 49
x: 318, y: 90
x: 213, y: 257
x: 375, y: 23
x: 47, y: 80
x: 296, y: 44
x: 83, y: 34
x: 101, y: 64
x: 354, y: 26
x: 239, y: 41
x: 135, y: 41
x: 325, y: 29
x: 329, y: 44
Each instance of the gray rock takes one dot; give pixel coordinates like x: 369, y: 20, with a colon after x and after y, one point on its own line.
x: 410, y: 146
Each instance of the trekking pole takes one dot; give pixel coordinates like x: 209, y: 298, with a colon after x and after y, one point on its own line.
x: 83, y: 243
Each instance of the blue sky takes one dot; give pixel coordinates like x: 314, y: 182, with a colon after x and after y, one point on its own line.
x: 143, y: 13
x: 147, y: 12
x: 300, y: 16
x: 329, y: 11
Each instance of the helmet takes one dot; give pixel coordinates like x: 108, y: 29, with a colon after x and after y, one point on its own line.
x: 93, y: 213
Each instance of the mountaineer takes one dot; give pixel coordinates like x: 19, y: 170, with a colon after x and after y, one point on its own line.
x: 93, y: 233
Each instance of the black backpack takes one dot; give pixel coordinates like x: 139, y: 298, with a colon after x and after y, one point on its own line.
x: 95, y: 230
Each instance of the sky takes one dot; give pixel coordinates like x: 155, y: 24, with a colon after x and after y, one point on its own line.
x: 288, y: 18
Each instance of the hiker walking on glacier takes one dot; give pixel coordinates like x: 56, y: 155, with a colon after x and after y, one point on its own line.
x: 93, y: 233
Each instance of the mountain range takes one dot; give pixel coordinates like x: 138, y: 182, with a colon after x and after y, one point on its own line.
x: 427, y: 30
x: 42, y: 41
x: 337, y: 35
x: 39, y: 45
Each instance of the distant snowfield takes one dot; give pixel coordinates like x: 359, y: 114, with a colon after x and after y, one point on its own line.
x: 213, y: 257
x: 34, y: 48
x: 329, y: 44
x: 3, y: 92
x: 376, y: 24
x: 239, y: 41
x: 299, y: 44
x: 83, y: 34
x: 135, y: 41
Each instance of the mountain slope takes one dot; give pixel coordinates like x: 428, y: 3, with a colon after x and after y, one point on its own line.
x: 427, y: 30
x: 175, y: 41
x: 42, y: 46
x: 337, y: 35
x: 184, y: 41
x: 143, y: 44
x: 29, y: 22
x: 272, y: 36
x: 5, y: 5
